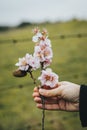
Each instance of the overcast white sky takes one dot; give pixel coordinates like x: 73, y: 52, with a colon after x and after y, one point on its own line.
x: 13, y: 12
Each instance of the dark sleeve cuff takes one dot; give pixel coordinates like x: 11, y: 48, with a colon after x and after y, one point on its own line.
x: 83, y: 105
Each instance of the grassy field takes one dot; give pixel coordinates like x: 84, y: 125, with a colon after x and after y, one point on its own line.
x: 17, y: 108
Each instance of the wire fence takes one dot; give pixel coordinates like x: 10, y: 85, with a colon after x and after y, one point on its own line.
x: 14, y: 41
x: 22, y: 85
x: 62, y: 36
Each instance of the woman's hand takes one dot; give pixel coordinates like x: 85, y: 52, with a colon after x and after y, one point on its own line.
x: 64, y: 97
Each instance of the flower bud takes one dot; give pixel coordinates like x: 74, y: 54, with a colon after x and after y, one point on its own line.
x: 19, y: 73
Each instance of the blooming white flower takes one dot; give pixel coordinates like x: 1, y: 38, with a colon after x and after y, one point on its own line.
x: 48, y: 54
x: 44, y: 55
x: 47, y: 62
x: 45, y: 43
x: 44, y: 31
x: 48, y: 78
x: 36, y: 37
x: 38, y: 53
x: 36, y: 30
x: 23, y: 65
x: 28, y: 62
x: 34, y: 63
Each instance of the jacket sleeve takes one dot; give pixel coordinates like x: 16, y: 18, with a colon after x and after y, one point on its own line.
x: 83, y: 105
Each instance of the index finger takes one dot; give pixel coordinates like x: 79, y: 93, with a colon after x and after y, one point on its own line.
x: 36, y: 89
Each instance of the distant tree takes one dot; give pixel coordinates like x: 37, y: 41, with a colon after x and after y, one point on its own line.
x: 4, y: 28
x: 24, y: 24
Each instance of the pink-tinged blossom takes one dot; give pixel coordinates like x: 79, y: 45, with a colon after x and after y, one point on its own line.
x: 48, y: 54
x: 47, y: 62
x: 37, y: 37
x: 28, y: 62
x: 22, y: 64
x: 36, y: 30
x: 45, y: 43
x: 34, y: 63
x: 44, y: 32
x: 48, y: 78
x: 44, y: 55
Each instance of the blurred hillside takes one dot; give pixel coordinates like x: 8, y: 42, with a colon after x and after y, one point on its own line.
x: 17, y: 108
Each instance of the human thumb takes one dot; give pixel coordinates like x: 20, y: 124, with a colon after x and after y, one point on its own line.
x: 51, y: 92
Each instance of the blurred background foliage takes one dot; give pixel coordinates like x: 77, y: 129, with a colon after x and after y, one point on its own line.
x: 17, y: 108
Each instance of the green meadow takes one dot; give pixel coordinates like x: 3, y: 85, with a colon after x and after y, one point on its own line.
x: 17, y: 109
